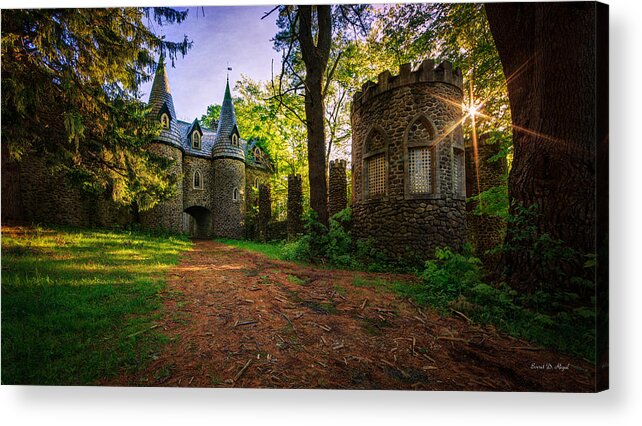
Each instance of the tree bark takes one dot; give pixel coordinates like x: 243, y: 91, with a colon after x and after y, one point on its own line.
x: 315, y: 56
x: 548, y: 53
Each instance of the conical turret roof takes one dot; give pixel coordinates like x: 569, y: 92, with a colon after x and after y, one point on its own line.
x: 160, y: 100
x: 227, y: 127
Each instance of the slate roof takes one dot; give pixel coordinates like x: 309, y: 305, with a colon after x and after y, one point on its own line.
x: 227, y: 126
x: 161, y: 98
x: 214, y: 143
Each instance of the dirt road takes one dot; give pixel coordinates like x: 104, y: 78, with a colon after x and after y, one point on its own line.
x: 239, y: 319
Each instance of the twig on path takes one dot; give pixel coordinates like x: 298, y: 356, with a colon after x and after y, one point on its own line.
x: 453, y: 339
x: 429, y: 358
x: 240, y: 373
x: 526, y: 348
x: 284, y: 316
x: 338, y: 346
x: 419, y: 319
x: 365, y: 302
x: 462, y: 315
x: 238, y: 324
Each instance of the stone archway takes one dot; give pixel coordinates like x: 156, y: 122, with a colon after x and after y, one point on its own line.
x: 197, y: 222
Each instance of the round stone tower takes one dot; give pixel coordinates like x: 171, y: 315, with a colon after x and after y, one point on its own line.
x: 229, y: 174
x: 166, y: 215
x: 408, y: 175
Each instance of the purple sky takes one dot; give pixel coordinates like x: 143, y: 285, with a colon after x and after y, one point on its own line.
x: 234, y: 34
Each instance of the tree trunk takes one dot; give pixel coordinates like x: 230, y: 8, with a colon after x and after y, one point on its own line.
x: 548, y: 53
x: 315, y: 57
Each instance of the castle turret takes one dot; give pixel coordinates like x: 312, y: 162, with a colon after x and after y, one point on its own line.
x: 229, y: 173
x: 408, y: 162
x: 168, y: 214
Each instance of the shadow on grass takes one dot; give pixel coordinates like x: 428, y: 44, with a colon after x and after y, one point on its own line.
x: 78, y: 305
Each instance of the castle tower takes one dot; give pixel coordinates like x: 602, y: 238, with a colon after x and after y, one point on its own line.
x: 408, y: 165
x: 168, y: 214
x: 229, y: 174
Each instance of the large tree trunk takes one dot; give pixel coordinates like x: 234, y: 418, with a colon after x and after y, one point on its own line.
x: 315, y: 56
x: 548, y: 53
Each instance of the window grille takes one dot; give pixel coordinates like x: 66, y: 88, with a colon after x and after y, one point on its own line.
x: 458, y: 172
x: 376, y: 175
x: 420, y: 181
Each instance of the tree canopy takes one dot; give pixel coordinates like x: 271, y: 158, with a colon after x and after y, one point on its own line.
x: 70, y: 80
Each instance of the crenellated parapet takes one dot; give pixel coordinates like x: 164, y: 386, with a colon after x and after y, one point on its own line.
x: 427, y: 72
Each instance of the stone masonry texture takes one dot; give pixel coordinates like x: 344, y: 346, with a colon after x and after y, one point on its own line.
x: 484, y: 232
x: 392, y: 115
x: 295, y: 207
x: 337, y: 187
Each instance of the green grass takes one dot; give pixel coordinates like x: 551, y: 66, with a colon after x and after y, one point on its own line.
x: 78, y: 305
x: 271, y: 250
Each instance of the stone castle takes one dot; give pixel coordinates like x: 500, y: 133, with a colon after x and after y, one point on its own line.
x: 411, y: 174
x: 219, y: 169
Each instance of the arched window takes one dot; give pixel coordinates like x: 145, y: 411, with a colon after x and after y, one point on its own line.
x: 235, y: 139
x: 421, y: 157
x: 164, y: 121
x: 235, y: 194
x: 196, y: 140
x: 375, y: 164
x: 459, y: 172
x: 198, y: 180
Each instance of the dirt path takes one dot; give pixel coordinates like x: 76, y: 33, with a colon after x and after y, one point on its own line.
x: 242, y: 320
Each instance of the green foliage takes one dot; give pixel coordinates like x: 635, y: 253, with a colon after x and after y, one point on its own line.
x: 491, y: 202
x: 70, y: 81
x: 553, y: 318
x: 552, y: 256
x: 78, y: 305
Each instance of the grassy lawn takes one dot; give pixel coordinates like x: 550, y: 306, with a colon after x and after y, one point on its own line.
x: 79, y: 305
x: 273, y: 250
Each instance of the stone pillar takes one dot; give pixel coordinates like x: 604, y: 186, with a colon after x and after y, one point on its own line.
x: 295, y: 206
x: 338, y: 187
x: 265, y: 211
x: 484, y: 232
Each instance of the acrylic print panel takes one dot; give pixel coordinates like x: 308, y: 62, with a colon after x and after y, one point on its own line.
x: 165, y: 206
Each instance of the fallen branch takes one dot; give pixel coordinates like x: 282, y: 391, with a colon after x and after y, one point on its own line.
x: 363, y: 305
x: 462, y: 315
x: 452, y: 339
x: 240, y: 373
x: 238, y: 324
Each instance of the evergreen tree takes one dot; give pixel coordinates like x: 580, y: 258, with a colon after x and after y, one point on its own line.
x: 70, y: 81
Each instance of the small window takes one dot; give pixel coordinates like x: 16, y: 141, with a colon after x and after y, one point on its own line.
x: 375, y: 167
x: 459, y: 178
x: 421, y: 158
x: 198, y: 181
x: 419, y: 161
x: 196, y: 140
x: 375, y: 176
x: 165, y: 121
x: 235, y: 139
x: 235, y: 194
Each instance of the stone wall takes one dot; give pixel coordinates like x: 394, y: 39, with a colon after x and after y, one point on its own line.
x: 167, y: 215
x: 337, y: 187
x: 265, y: 211
x: 48, y: 197
x: 295, y: 207
x: 229, y: 214
x: 415, y: 107
x: 254, y: 177
x: 484, y: 232
x: 11, y: 199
